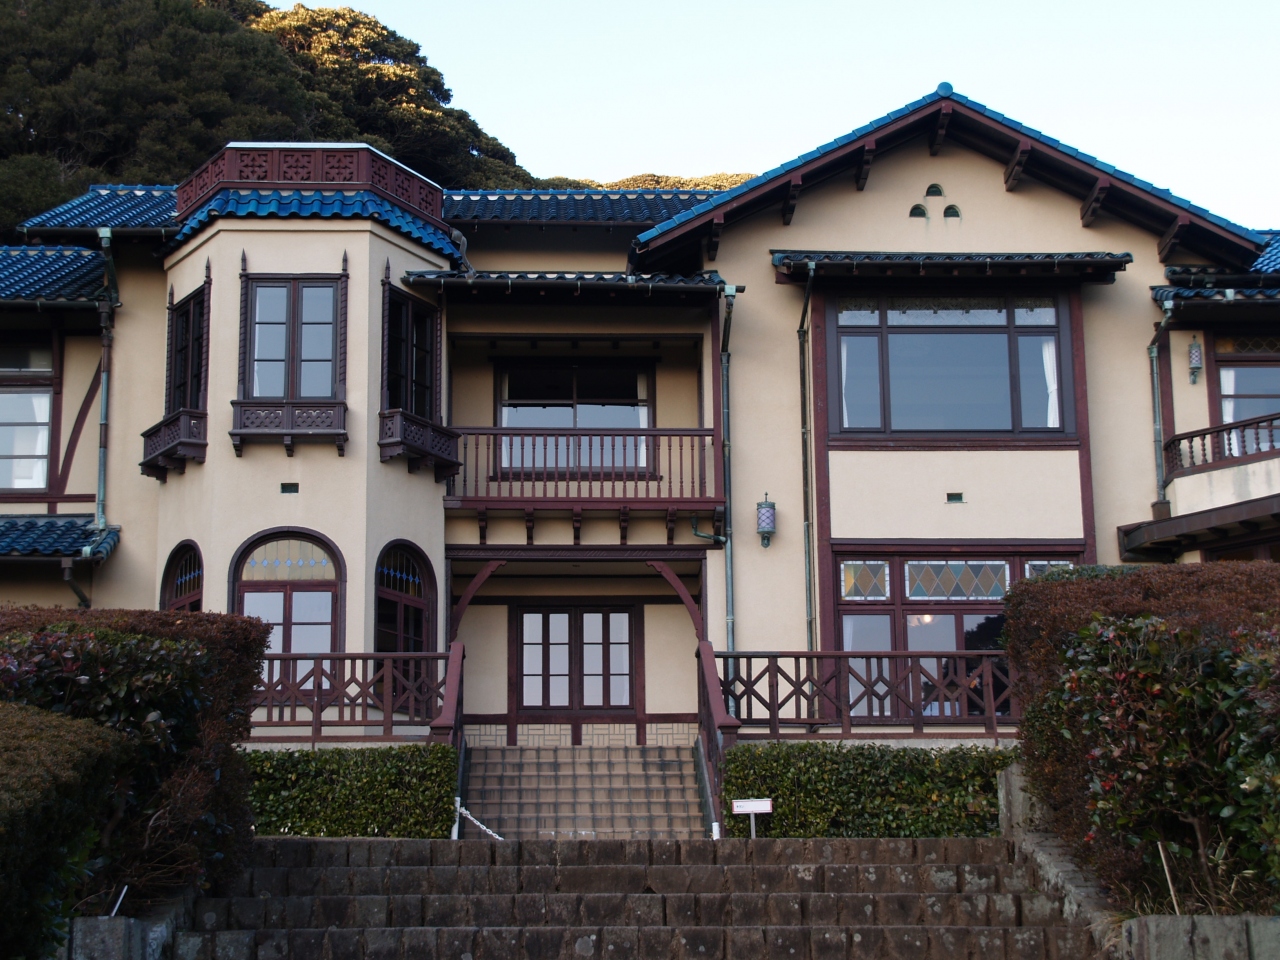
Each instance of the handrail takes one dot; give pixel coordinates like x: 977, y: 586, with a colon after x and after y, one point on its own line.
x: 717, y: 730
x: 447, y: 727
x: 828, y: 694
x: 1195, y: 450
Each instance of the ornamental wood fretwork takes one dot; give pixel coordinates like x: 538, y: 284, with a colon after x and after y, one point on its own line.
x: 297, y: 167
x: 339, y: 167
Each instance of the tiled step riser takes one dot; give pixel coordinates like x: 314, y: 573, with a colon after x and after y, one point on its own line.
x: 673, y: 910
x: 288, y: 852
x: 635, y: 879
x: 643, y: 943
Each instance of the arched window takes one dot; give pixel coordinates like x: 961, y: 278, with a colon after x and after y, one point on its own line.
x: 293, y: 584
x: 919, y: 211
x: 933, y: 190
x: 183, y: 587
x: 951, y: 211
x: 405, y: 591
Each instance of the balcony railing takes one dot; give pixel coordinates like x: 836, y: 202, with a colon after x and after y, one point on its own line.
x: 1241, y: 440
x: 181, y: 436
x: 421, y: 442
x: 335, y: 697
x: 624, y: 466
x: 288, y: 422
x: 838, y: 695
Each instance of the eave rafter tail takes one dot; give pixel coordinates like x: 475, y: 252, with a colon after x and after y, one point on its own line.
x: 864, y: 164
x: 1013, y: 171
x: 1173, y: 237
x: 1093, y: 202
x: 790, y: 200
x: 713, y: 238
x: 939, y: 134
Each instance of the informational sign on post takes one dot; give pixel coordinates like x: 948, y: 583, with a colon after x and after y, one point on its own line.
x: 751, y: 807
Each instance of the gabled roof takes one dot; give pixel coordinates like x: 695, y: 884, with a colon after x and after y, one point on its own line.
x: 69, y: 275
x: 151, y: 209
x: 572, y: 206
x: 315, y: 203
x: 62, y: 535
x: 948, y: 116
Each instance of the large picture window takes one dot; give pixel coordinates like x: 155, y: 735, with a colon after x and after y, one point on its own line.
x: 576, y: 659
x: 946, y: 365
x: 293, y: 340
x: 409, y: 374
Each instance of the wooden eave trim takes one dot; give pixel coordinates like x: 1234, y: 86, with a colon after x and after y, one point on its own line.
x: 1043, y: 162
x: 1141, y: 539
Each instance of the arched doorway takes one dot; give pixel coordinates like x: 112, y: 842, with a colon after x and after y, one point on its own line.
x: 405, y: 590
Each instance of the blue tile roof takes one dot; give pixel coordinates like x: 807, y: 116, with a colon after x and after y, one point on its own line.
x: 60, y: 274
x: 944, y: 91
x: 119, y: 206
x: 1161, y: 294
x: 572, y: 206
x: 62, y: 535
x: 315, y: 203
x: 1269, y: 262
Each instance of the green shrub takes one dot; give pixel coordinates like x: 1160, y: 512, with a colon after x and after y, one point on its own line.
x: 179, y: 687
x: 355, y: 792
x: 1201, y: 604
x: 56, y: 778
x: 834, y: 790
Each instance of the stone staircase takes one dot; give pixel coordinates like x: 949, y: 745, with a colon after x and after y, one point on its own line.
x: 633, y: 900
x: 591, y: 793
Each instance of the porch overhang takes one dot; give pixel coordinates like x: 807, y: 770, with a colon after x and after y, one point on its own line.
x: 1168, y: 539
x: 792, y: 266
x: 538, y: 287
x: 1214, y: 295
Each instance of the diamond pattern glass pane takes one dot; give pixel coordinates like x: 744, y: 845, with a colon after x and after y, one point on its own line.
x: 865, y: 579
x: 957, y: 579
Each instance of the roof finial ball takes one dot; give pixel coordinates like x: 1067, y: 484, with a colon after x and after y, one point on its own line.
x: 945, y: 89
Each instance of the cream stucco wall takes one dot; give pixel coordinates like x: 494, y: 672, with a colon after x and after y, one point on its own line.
x: 669, y: 647
x: 80, y: 357
x: 891, y: 494
x: 484, y: 675
x: 1216, y: 488
x: 1190, y: 400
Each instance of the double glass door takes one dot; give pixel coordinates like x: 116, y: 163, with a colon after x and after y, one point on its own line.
x: 576, y: 659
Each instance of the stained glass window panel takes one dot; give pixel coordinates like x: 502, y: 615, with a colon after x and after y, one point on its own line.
x: 1034, y: 568
x: 957, y: 579
x: 865, y: 579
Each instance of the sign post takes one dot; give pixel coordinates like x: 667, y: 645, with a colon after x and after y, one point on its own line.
x: 752, y: 807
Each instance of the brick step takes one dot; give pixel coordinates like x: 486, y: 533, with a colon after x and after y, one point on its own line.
x: 631, y: 878
x: 642, y: 943
x: 605, y: 807
x: 364, y: 853
x: 652, y: 909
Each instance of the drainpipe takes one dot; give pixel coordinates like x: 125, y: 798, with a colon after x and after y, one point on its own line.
x: 1161, y: 506
x: 803, y: 334
x: 106, y: 320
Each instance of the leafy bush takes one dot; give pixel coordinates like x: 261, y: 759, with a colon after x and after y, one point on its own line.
x: 833, y: 790
x: 55, y: 775
x: 1210, y: 614
x: 179, y: 687
x: 355, y: 792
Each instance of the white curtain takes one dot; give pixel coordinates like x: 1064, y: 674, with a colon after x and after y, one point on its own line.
x: 1233, y: 447
x: 1049, y: 356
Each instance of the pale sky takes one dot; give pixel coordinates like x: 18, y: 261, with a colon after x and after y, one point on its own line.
x: 1182, y: 94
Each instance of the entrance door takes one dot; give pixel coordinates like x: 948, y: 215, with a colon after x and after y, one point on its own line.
x: 576, y: 659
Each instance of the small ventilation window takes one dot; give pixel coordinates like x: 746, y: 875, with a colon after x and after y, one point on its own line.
x: 919, y: 211
x: 934, y: 190
x: 951, y: 211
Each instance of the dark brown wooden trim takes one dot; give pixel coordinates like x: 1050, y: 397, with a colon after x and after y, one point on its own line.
x: 938, y: 136
x: 502, y: 718
x: 604, y: 552
x: 50, y: 498
x: 431, y: 589
x: 293, y: 533
x: 386, y: 332
x: 695, y: 614
x: 204, y: 358
x: 921, y: 547
x: 1164, y: 362
x: 951, y: 443
x: 560, y: 600
x: 1213, y: 379
x: 340, y: 375
x: 82, y: 416
x: 1168, y: 538
x: 455, y: 615
x: 1075, y: 312
x: 169, y: 326
x: 822, y: 411
x: 244, y: 324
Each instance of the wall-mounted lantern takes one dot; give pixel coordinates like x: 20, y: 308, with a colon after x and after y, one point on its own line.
x: 1195, y: 358
x: 766, y: 519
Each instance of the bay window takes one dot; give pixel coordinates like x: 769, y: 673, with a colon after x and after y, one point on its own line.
x: 293, y: 340
x: 948, y: 365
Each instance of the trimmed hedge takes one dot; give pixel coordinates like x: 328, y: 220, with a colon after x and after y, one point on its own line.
x: 823, y: 789
x: 1138, y: 730
x: 179, y: 687
x: 355, y: 792
x: 56, y: 777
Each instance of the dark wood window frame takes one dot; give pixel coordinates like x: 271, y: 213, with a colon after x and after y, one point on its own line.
x: 853, y: 437
x: 291, y: 419
x: 1214, y: 361
x: 235, y: 586
x: 428, y: 603
x: 56, y: 467
x: 181, y: 596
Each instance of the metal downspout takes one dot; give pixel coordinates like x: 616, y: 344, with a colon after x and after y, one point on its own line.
x: 1157, y: 417
x: 106, y: 319
x: 729, y: 294
x: 803, y: 335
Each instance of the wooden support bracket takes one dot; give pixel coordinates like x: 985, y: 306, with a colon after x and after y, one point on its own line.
x: 713, y: 239
x: 465, y: 600
x: 528, y: 526
x: 624, y: 521
x: 864, y: 164
x: 1173, y: 237
x: 577, y: 526
x: 695, y: 612
x: 671, y: 525
x: 939, y: 134
x: 1093, y: 203
x: 1013, y: 172
x: 791, y: 199
x: 482, y: 522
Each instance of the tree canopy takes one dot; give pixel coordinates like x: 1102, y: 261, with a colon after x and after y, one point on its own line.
x: 144, y: 91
